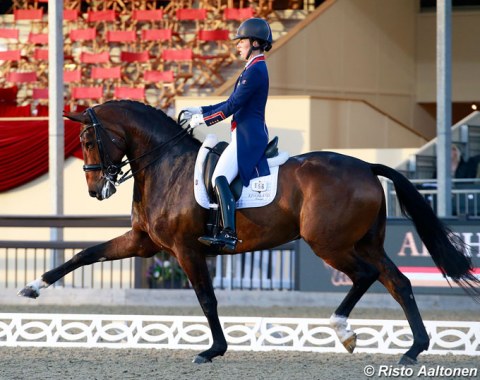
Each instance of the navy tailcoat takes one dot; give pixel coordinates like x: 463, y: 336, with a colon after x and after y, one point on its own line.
x: 247, y: 105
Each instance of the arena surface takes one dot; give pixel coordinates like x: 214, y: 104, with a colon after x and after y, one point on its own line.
x: 72, y: 363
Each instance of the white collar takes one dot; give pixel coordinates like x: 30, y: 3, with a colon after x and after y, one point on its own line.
x: 251, y: 59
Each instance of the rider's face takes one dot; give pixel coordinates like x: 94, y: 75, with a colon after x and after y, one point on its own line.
x: 243, y: 46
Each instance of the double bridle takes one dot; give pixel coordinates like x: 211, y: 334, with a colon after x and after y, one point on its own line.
x: 110, y: 169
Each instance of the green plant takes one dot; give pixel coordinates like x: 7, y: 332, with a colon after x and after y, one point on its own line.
x: 163, y: 270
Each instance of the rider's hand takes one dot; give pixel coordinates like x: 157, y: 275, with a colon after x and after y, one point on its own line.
x: 196, y: 120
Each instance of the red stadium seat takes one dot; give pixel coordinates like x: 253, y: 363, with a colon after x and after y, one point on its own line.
x: 101, y: 16
x: 72, y: 76
x: 134, y: 63
x: 31, y: 18
x: 213, y: 52
x: 106, y: 72
x: 87, y: 93
x: 137, y: 93
x: 10, y: 55
x: 70, y: 15
x: 24, y: 80
x: 9, y: 37
x: 121, y: 36
x: 164, y: 84
x: 237, y: 14
x: 103, y: 57
x: 40, y: 93
x: 180, y: 61
x: 38, y: 38
x: 22, y: 77
x: 150, y: 16
x: 154, y: 40
x: 87, y: 34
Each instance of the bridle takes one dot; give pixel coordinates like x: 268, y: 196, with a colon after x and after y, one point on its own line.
x: 110, y: 169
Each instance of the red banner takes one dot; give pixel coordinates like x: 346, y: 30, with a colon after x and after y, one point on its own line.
x: 24, y: 150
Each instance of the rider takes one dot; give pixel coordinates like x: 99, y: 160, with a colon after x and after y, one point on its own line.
x: 249, y: 135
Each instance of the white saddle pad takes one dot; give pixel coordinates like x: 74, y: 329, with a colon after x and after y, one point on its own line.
x: 260, y: 192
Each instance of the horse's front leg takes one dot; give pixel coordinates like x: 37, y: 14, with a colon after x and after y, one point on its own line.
x: 133, y: 243
x: 195, y: 267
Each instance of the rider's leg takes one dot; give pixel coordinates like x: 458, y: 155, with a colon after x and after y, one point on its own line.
x: 225, y: 172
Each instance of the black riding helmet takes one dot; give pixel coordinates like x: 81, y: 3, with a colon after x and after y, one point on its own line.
x: 256, y: 29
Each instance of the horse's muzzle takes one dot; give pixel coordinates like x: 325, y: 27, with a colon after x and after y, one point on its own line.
x: 107, y: 190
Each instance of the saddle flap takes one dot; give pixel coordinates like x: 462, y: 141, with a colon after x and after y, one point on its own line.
x: 209, y: 166
x: 211, y: 161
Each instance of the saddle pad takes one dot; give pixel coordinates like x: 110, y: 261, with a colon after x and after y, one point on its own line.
x: 260, y: 192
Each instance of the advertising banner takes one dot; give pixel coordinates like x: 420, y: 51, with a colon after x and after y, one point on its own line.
x: 405, y: 249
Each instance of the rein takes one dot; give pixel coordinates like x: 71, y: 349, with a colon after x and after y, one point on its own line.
x: 112, y: 170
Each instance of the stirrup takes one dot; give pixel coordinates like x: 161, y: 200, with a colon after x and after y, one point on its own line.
x: 226, y: 241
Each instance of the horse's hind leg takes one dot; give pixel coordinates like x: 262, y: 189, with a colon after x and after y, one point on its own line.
x: 400, y: 288
x: 363, y: 275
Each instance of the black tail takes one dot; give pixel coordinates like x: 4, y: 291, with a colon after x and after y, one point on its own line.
x: 447, y: 250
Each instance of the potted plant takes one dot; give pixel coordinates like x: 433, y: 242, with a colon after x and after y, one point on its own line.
x: 162, y: 273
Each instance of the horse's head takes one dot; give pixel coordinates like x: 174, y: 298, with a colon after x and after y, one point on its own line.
x: 103, y: 149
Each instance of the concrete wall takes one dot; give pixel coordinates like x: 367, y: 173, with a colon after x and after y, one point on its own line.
x: 381, y: 51
x: 305, y: 123
x: 465, y: 56
x: 354, y: 50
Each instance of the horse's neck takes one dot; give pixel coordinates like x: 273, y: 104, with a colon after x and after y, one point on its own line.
x: 165, y: 169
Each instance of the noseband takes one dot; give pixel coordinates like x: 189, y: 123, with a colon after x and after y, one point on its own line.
x: 106, y: 165
x: 110, y: 169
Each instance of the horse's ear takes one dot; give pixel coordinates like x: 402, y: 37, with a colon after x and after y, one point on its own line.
x: 81, y: 117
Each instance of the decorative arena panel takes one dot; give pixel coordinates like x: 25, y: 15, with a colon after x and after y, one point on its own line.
x: 242, y: 333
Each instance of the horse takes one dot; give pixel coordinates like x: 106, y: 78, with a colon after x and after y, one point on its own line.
x: 334, y: 202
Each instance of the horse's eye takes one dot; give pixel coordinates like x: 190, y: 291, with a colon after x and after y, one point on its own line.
x: 89, y: 145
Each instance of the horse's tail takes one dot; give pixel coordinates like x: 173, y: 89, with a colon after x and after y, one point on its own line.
x: 447, y: 250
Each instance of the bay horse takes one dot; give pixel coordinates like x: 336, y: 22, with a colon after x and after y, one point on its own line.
x: 336, y: 203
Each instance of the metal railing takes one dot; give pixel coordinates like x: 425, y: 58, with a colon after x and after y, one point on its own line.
x: 465, y: 196
x: 22, y: 261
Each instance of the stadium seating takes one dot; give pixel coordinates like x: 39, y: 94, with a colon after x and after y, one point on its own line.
x: 165, y: 47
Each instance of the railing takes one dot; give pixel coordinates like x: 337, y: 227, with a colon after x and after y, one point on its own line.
x: 266, y: 270
x: 465, y: 196
x: 23, y: 261
x: 245, y: 333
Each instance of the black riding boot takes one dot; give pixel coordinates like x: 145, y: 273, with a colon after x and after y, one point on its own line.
x: 226, y: 239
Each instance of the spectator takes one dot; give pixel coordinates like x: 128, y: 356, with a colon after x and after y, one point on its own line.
x: 460, y: 168
x: 474, y: 166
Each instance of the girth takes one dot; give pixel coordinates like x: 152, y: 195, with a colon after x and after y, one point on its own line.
x: 211, y: 162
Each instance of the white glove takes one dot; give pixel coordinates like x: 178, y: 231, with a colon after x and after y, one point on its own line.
x: 196, y: 120
x: 192, y: 110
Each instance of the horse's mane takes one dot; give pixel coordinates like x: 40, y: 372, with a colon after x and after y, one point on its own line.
x: 151, y: 118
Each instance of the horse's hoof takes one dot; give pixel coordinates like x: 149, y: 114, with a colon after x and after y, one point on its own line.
x: 407, y: 360
x: 350, y: 343
x: 28, y: 292
x: 201, y: 360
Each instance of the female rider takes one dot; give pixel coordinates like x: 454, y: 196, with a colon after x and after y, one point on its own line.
x: 244, y: 155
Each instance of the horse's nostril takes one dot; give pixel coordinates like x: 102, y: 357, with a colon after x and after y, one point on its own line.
x: 93, y: 194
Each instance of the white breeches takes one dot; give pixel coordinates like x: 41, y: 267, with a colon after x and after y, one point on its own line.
x: 228, y: 163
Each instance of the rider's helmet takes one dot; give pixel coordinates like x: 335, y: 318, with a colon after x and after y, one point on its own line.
x: 256, y: 29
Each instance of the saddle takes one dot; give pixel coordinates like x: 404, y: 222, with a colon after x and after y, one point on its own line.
x: 211, y: 162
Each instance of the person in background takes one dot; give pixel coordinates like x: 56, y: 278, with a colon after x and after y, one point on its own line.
x: 459, y: 168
